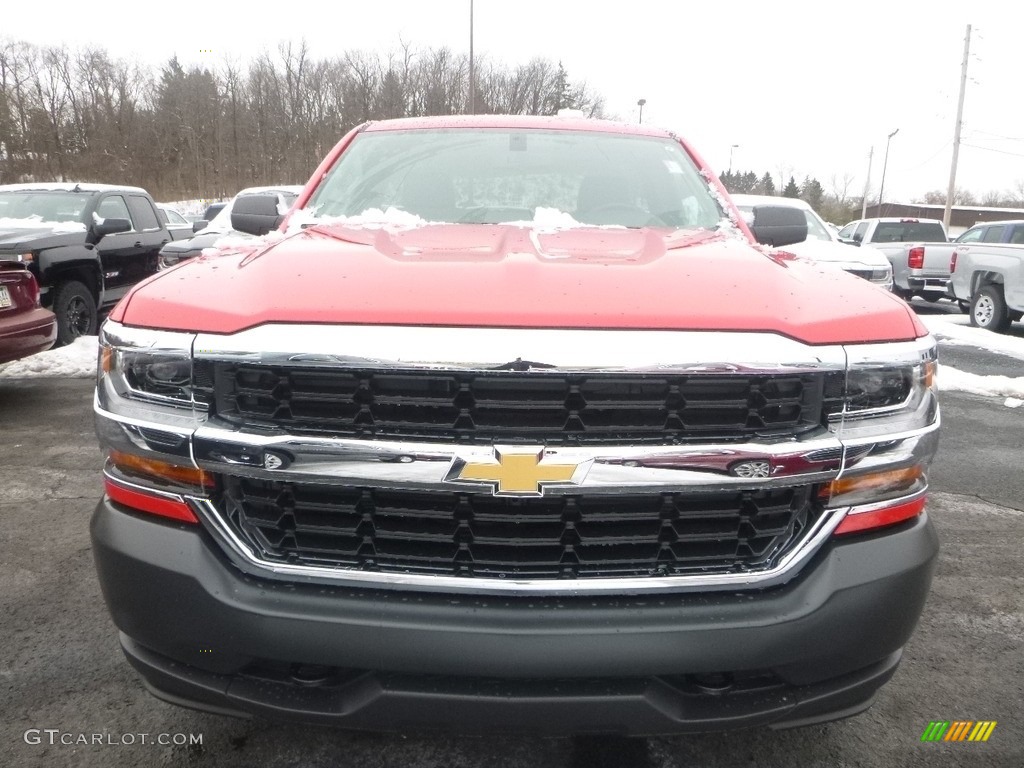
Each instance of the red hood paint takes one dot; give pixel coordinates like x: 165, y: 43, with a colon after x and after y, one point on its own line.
x: 505, y: 276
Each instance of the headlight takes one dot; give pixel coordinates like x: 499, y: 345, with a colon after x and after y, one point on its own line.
x: 889, y: 390
x: 141, y: 370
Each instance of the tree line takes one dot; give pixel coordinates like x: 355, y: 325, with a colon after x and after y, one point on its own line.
x: 197, y: 132
x: 838, y: 206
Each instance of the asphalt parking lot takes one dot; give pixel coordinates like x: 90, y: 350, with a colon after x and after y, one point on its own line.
x: 62, y: 675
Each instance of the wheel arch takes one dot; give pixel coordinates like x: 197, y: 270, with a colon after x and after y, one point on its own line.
x: 984, y: 277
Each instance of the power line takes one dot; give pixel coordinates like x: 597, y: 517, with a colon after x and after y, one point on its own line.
x: 991, y: 149
x: 935, y: 154
x: 997, y: 135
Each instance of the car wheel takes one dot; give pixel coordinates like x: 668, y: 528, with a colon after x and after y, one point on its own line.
x: 988, y: 309
x: 75, y: 308
x: 932, y: 296
x: 903, y: 294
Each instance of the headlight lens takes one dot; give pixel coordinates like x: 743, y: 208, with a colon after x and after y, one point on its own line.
x: 877, y: 388
x: 889, y: 389
x: 151, y: 368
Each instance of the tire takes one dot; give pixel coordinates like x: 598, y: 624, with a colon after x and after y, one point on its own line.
x: 933, y: 296
x: 988, y: 309
x: 903, y: 293
x: 75, y: 308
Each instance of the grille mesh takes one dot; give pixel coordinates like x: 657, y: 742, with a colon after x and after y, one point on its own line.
x: 513, y: 406
x: 473, y: 534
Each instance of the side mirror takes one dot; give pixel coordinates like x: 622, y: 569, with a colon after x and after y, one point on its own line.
x: 106, y: 227
x: 778, y: 225
x: 255, y: 214
x: 858, y: 238
x: 199, y: 225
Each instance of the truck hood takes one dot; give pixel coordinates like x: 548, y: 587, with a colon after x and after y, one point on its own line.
x: 510, y: 276
x: 18, y: 238
x: 830, y: 252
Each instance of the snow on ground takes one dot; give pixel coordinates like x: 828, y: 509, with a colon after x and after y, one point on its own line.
x: 76, y: 360
x: 957, y: 330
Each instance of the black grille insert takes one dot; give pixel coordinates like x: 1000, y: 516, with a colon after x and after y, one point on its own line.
x: 484, y: 407
x: 471, y: 534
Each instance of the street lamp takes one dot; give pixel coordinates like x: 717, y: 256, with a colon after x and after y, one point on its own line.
x: 885, y: 162
x: 734, y: 146
x: 640, y: 104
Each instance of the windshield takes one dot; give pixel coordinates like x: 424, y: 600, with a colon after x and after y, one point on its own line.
x: 498, y: 176
x: 909, y: 232
x: 815, y: 228
x: 41, y: 207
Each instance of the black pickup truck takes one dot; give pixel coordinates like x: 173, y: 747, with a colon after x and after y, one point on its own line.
x: 87, y: 244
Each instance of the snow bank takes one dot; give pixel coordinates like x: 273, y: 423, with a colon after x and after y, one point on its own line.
x: 957, y: 330
x: 77, y: 360
x: 1010, y: 387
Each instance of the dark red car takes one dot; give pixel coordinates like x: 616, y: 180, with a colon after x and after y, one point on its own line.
x: 25, y: 327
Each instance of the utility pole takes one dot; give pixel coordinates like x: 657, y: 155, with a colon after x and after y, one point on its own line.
x: 867, y: 186
x: 956, y: 132
x: 472, y: 79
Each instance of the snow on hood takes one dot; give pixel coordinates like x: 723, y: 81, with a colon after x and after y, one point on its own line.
x: 38, y: 222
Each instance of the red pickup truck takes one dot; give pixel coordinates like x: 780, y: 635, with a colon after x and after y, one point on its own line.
x: 514, y: 424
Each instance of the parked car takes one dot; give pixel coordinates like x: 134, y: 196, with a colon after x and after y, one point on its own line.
x: 208, y: 215
x: 86, y: 244
x: 823, y: 245
x: 1010, y: 232
x: 212, y: 231
x: 918, y: 249
x: 988, y: 276
x: 176, y: 224
x: 524, y: 428
x: 25, y: 326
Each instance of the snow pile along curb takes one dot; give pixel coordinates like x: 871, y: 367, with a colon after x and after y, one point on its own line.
x: 76, y: 360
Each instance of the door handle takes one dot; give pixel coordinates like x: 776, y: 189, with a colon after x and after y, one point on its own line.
x: 138, y: 243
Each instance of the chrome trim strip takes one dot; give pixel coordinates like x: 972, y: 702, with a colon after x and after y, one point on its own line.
x: 146, y: 489
x: 463, y: 349
x: 428, y: 466
x: 243, y: 555
x: 611, y: 469
x: 875, y: 506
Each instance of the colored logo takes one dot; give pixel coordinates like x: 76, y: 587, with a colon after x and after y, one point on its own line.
x: 517, y: 471
x: 958, y: 730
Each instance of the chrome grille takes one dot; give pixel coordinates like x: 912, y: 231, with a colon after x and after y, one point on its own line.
x: 485, y: 407
x: 471, y: 534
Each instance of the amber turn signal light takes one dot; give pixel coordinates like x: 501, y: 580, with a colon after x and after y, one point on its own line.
x: 161, y: 470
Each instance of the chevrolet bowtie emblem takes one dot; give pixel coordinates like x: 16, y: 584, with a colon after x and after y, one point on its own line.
x: 517, y: 471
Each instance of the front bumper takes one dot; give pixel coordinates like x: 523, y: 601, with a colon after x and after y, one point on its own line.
x: 204, y: 634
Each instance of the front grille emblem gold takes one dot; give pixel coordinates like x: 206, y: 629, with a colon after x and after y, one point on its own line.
x: 518, y: 471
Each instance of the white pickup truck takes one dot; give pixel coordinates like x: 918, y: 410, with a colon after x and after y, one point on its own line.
x: 918, y: 249
x: 990, y: 276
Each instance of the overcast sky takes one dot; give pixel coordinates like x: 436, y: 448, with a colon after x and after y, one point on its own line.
x: 804, y: 88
